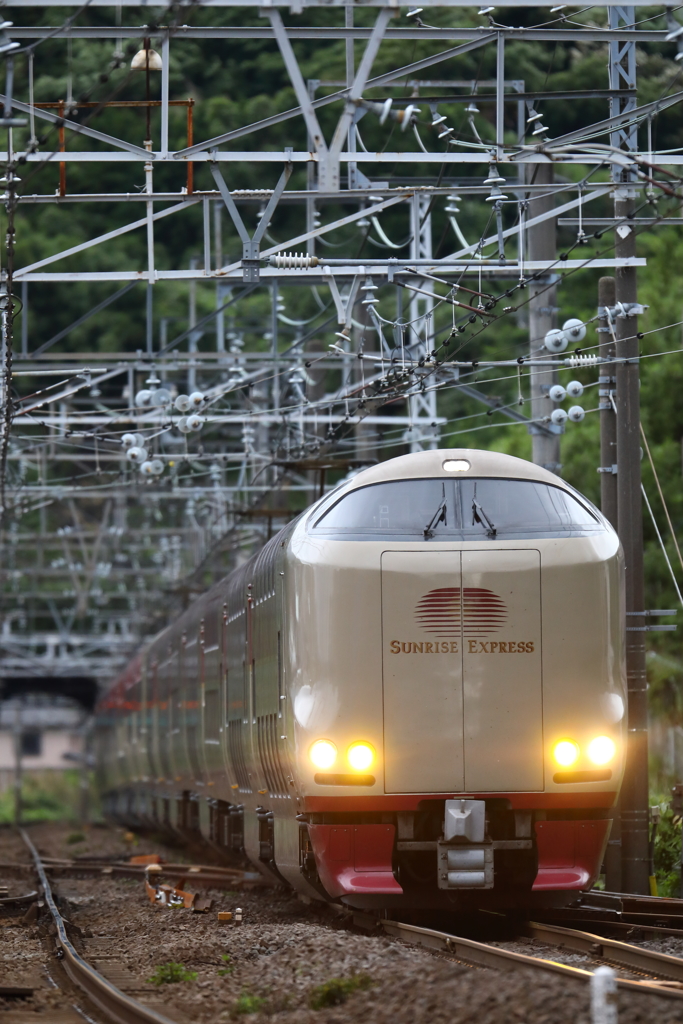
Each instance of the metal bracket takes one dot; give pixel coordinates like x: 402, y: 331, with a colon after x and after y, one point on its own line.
x: 251, y: 247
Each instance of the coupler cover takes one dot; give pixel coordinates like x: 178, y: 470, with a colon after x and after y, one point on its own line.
x: 464, y: 860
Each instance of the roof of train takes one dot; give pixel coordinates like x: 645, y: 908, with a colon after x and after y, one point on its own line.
x: 431, y: 463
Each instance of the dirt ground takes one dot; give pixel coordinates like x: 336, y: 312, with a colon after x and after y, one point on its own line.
x: 285, y: 964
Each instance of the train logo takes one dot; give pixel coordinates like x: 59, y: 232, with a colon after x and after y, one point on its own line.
x: 451, y: 612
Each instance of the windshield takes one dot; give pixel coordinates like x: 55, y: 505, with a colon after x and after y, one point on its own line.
x: 470, y: 509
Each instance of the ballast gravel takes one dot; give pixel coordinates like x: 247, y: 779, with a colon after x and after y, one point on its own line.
x: 283, y: 958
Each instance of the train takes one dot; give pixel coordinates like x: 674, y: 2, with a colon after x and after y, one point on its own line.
x: 413, y: 696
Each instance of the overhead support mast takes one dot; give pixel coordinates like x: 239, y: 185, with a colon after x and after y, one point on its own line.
x: 635, y: 791
x: 545, y: 438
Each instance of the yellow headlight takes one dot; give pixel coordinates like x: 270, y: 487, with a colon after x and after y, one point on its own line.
x: 323, y: 753
x: 601, y: 750
x: 566, y: 753
x: 361, y: 756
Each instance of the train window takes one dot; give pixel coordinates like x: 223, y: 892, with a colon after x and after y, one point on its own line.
x: 397, y: 507
x: 469, y: 509
x: 521, y: 507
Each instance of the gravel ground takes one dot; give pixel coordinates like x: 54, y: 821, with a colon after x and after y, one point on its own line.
x: 281, y: 963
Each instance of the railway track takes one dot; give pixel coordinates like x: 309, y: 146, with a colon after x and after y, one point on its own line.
x: 116, y: 1005
x: 649, y: 972
x: 661, y: 973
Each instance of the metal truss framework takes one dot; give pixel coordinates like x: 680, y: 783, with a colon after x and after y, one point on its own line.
x: 113, y: 538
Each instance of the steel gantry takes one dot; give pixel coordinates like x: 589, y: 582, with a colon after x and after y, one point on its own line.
x: 317, y: 323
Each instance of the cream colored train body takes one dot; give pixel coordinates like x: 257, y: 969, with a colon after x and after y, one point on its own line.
x: 413, y: 696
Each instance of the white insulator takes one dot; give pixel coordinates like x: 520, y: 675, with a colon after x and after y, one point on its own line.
x: 294, y: 261
x: 161, y: 397
x: 582, y: 361
x: 136, y: 454
x: 576, y: 413
x: 157, y: 467
x: 556, y: 340
x: 557, y: 393
x: 129, y: 440
x: 575, y: 389
x: 182, y: 403
x: 182, y: 425
x: 195, y: 422
x: 558, y: 417
x: 196, y: 399
x: 574, y: 329
x: 143, y: 397
x: 146, y: 468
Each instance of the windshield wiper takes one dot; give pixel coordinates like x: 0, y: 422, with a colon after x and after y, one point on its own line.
x: 438, y: 517
x: 479, y: 516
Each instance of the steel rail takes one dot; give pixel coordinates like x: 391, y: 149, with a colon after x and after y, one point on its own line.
x: 483, y: 954
x: 624, y: 954
x: 117, y: 1006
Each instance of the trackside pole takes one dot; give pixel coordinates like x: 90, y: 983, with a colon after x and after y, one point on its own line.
x: 608, y: 498
x: 635, y: 791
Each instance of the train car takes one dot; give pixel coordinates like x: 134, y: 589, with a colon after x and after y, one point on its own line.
x: 412, y: 696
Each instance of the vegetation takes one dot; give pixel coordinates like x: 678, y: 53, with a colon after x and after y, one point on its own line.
x: 337, y: 990
x: 248, y: 1003
x: 228, y: 969
x: 45, y: 796
x: 668, y: 854
x: 171, y: 974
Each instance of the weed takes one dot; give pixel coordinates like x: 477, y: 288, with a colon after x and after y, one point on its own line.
x: 248, y: 1003
x: 228, y: 969
x: 171, y: 973
x: 337, y: 990
x: 75, y: 837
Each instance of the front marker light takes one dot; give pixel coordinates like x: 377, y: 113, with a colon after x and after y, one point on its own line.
x: 566, y: 753
x: 323, y: 753
x: 601, y: 750
x: 360, y: 756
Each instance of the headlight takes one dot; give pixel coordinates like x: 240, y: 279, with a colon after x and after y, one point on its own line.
x: 601, y: 750
x: 566, y: 753
x: 323, y: 754
x: 360, y: 756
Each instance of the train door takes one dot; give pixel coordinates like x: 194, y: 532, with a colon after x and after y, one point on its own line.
x: 422, y: 671
x: 502, y: 682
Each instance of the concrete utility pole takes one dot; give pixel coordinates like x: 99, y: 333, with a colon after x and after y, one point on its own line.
x: 608, y: 502
x: 635, y: 789
x: 608, y: 419
x: 545, y: 440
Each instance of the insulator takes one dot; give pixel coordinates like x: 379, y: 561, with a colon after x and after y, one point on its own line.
x: 582, y: 360
x: 294, y: 261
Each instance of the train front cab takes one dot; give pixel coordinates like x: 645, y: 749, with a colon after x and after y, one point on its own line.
x: 467, y: 633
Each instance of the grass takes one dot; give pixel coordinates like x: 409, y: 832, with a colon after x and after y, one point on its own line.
x: 45, y: 796
x: 248, y: 1003
x: 171, y: 974
x: 228, y: 969
x: 337, y: 990
x: 75, y: 837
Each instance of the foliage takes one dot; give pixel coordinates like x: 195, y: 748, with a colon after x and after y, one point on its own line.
x: 228, y: 969
x: 668, y: 854
x: 337, y: 990
x: 248, y: 1003
x: 45, y: 796
x: 75, y: 837
x: 171, y: 973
